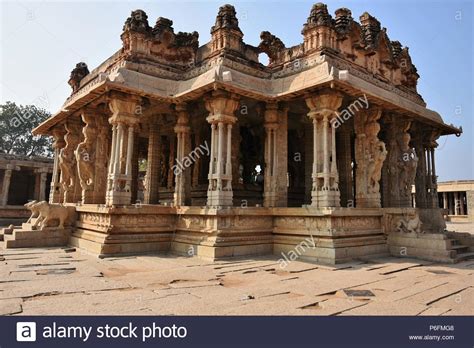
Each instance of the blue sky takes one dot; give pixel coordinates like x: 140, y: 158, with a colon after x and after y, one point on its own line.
x: 42, y: 41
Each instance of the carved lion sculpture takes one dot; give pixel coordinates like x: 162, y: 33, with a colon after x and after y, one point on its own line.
x: 33, y: 209
x: 49, y: 212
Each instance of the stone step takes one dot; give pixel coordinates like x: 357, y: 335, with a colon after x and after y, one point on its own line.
x: 464, y: 256
x: 8, y: 237
x: 459, y: 247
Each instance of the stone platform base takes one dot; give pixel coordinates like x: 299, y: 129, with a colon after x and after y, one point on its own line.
x: 341, y: 234
x: 327, y: 235
x: 429, y: 246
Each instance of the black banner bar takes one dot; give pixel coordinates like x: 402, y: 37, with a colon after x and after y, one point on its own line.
x: 115, y: 331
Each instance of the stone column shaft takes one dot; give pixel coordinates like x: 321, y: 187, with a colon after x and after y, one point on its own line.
x: 153, y: 166
x: 123, y: 121
x: 323, y: 107
x: 42, y: 186
x: 5, y: 186
x: 221, y: 107
x: 182, y: 192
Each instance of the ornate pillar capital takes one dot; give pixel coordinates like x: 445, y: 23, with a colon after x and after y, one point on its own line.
x: 182, y: 118
x: 221, y: 106
x: 58, y: 133
x: 324, y: 104
x: 124, y: 111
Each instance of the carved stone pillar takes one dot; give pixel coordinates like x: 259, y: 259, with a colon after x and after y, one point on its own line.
x: 135, y: 170
x: 275, y: 187
x: 461, y: 203
x: 153, y: 170
x: 101, y: 159
x: 171, y: 161
x: 370, y: 154
x: 400, y: 167
x: 197, y: 162
x: 421, y: 187
x: 6, y: 184
x: 221, y: 107
x: 445, y: 200
x: 431, y: 174
x: 119, y: 180
x: 344, y: 164
x: 67, y: 161
x: 182, y: 169
x: 56, y: 193
x: 85, y: 156
x: 325, y: 177
x: 91, y: 157
x: 43, y: 176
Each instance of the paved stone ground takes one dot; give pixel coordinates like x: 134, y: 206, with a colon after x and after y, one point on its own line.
x: 61, y: 281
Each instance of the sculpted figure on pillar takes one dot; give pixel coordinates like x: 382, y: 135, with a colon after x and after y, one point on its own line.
x: 85, y: 156
x: 67, y: 160
x: 101, y: 157
x: 407, y: 163
x: 370, y: 154
x: 56, y: 190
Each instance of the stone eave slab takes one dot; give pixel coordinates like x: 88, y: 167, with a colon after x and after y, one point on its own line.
x: 282, y: 88
x: 411, y: 108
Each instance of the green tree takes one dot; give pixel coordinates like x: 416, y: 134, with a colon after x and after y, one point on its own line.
x: 16, y: 124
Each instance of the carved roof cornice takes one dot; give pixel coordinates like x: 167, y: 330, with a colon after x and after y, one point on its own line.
x: 338, y: 52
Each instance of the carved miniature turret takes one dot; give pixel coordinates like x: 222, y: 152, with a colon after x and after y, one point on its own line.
x: 163, y: 32
x: 370, y: 30
x: 138, y: 22
x: 226, y: 19
x: 396, y: 49
x: 160, y: 42
x: 343, y: 20
x: 77, y: 74
x: 163, y: 29
x: 318, y: 31
x: 226, y: 33
x: 319, y: 15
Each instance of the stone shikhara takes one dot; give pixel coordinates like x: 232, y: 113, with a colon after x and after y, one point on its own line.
x: 345, y: 98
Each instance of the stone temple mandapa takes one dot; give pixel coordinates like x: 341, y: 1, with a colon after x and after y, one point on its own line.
x: 157, y: 148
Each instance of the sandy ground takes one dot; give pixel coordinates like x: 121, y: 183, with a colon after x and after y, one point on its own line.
x: 65, y: 281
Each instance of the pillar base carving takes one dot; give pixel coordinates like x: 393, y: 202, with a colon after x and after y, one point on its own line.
x: 370, y: 200
x: 325, y: 199
x: 219, y: 199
